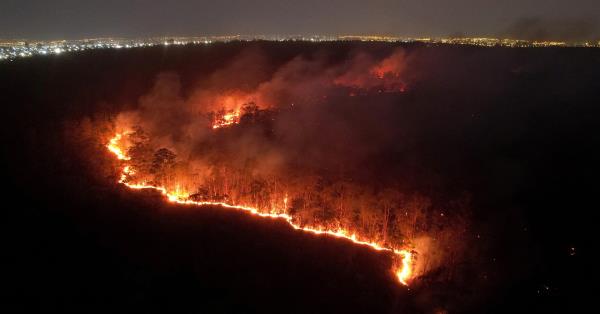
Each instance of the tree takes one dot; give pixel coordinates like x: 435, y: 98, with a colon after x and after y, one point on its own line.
x: 140, y: 152
x: 387, y: 201
x: 162, y: 164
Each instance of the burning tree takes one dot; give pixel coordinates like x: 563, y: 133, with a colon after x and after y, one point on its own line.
x: 225, y: 149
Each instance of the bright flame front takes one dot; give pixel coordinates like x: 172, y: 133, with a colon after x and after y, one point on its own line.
x: 403, y: 272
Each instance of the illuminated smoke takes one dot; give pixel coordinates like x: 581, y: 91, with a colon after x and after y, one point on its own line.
x: 258, y: 140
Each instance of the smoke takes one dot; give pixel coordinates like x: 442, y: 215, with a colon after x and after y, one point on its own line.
x: 569, y: 30
x: 180, y: 122
x: 315, y: 130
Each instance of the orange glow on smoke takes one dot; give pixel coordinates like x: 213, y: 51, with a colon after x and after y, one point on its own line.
x: 403, y: 272
x: 391, y: 66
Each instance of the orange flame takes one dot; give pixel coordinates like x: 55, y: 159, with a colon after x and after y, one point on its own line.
x: 403, y: 273
x: 232, y: 117
x: 113, y: 146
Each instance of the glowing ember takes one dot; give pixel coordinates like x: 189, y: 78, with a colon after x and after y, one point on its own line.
x: 180, y: 196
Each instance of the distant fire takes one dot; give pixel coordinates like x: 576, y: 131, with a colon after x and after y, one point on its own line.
x: 405, y: 259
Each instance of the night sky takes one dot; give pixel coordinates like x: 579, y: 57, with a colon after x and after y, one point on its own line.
x: 526, y: 19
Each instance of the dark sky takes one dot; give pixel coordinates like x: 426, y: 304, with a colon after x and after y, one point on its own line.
x: 529, y: 19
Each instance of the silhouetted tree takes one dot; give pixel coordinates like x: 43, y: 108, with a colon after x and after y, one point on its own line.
x: 162, y: 163
x: 140, y: 151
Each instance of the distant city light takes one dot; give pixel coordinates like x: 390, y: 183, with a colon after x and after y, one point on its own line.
x: 10, y: 50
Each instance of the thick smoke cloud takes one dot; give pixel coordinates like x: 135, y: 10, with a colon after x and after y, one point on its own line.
x: 569, y: 30
x: 179, y: 121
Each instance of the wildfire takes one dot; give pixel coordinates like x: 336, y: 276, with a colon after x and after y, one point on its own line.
x: 113, y: 146
x: 403, y: 273
x: 227, y: 119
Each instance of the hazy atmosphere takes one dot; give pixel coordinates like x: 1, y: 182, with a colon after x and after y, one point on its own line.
x: 523, y: 19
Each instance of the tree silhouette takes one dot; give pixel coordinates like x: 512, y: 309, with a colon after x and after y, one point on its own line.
x: 162, y: 164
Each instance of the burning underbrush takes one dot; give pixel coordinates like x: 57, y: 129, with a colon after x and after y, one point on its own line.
x: 288, y: 149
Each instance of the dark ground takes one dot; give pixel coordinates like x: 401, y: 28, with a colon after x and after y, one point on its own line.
x: 517, y: 129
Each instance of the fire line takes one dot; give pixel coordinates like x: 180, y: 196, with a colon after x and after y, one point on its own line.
x: 403, y: 273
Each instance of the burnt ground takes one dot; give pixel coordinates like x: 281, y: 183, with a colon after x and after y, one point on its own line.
x: 517, y: 129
